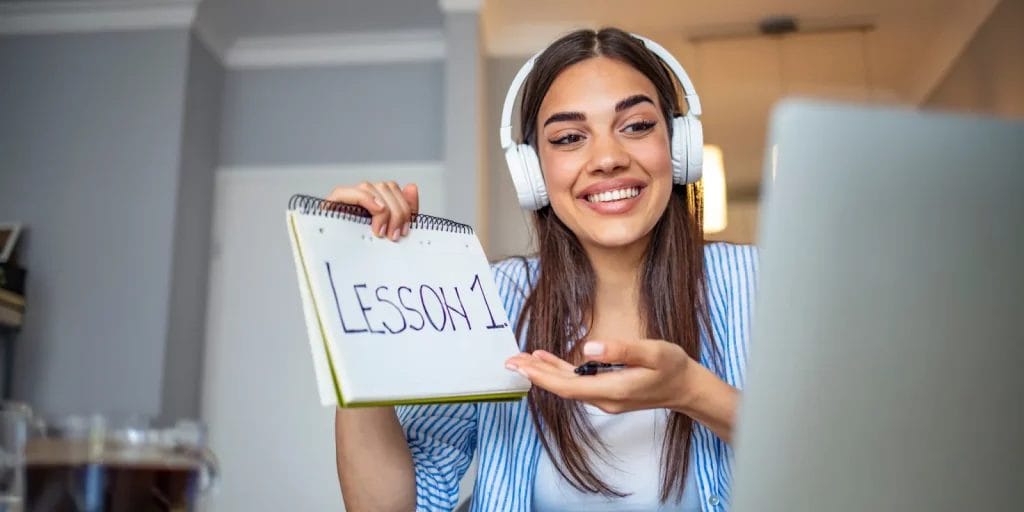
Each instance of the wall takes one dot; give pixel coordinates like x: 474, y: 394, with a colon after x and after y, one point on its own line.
x: 989, y: 76
x: 510, y: 225
x: 90, y: 137
x: 284, y: 131
x: 191, y: 257
x: 355, y: 113
x: 464, y: 119
x: 274, y: 440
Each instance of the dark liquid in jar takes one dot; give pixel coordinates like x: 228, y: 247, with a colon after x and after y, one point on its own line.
x: 110, y: 487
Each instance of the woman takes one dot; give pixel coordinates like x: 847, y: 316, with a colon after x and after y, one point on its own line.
x: 622, y: 276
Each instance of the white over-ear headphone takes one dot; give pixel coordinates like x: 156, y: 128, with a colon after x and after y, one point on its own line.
x: 687, y: 136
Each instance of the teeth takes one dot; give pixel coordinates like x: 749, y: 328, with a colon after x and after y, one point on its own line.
x: 614, y: 195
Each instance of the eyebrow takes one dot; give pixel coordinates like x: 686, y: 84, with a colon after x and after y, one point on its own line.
x: 631, y: 101
x: 565, y: 116
x: 635, y: 99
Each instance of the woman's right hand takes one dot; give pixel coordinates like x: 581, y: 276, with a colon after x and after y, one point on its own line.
x: 392, y: 207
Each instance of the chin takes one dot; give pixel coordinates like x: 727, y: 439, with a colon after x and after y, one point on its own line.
x: 616, y: 235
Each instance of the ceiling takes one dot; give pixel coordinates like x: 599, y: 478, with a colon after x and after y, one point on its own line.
x: 911, y: 47
x: 234, y: 19
x: 902, y: 59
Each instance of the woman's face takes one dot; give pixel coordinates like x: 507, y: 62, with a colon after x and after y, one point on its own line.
x: 604, y: 150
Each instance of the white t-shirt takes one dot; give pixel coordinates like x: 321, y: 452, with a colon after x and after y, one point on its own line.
x: 634, y: 440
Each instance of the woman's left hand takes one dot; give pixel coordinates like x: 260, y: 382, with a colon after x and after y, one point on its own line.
x: 657, y: 375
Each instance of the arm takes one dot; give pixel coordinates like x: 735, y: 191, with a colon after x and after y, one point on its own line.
x: 375, y: 468
x: 715, y: 389
x: 441, y: 440
x: 404, y: 458
x: 709, y: 400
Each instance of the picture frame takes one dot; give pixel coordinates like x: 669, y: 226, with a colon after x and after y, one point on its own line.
x: 9, y: 232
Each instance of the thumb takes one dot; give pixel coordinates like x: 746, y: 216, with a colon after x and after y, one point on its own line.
x: 411, y: 194
x: 644, y: 353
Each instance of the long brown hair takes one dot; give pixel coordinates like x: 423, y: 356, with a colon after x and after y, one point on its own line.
x: 673, y: 304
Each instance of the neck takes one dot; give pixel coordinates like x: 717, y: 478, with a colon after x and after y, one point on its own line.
x: 617, y: 272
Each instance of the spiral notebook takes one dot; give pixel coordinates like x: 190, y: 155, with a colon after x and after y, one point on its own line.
x: 408, y: 322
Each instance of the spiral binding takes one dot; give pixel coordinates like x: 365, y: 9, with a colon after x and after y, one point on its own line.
x: 309, y: 205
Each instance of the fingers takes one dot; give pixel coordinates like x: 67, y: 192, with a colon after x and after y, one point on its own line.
x: 643, y: 353
x: 548, y: 375
x: 357, y: 196
x: 554, y: 360
x: 411, y: 193
x: 391, y: 207
x: 549, y: 372
x: 400, y: 213
x: 380, y: 218
x: 650, y: 380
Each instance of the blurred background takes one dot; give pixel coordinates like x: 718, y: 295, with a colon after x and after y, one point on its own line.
x: 148, y: 148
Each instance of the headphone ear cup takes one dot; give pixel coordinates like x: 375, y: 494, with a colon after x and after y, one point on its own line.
x: 687, y: 150
x: 680, y: 148
x: 532, y: 165
x: 524, y: 167
x: 695, y: 169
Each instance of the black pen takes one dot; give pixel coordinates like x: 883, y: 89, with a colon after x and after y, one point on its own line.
x: 596, y: 367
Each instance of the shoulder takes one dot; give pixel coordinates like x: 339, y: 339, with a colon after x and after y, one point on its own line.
x: 731, y: 280
x: 725, y: 253
x: 730, y: 264
x: 515, y: 271
x: 514, y: 278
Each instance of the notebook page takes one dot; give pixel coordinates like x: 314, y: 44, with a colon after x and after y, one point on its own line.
x: 416, y: 319
x: 324, y: 382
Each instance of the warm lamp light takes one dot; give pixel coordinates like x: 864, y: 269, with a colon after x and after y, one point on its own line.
x: 714, y: 190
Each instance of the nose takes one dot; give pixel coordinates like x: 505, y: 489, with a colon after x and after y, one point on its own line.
x: 607, y: 155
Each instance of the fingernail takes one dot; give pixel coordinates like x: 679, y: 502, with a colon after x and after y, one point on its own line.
x: 593, y: 348
x: 523, y: 373
x: 395, y: 233
x: 512, y: 367
x: 378, y: 201
x: 380, y: 232
x: 405, y: 229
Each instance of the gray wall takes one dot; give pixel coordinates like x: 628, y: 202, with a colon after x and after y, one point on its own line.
x: 90, y: 138
x: 989, y: 76
x: 110, y: 142
x: 194, y: 209
x: 329, y: 115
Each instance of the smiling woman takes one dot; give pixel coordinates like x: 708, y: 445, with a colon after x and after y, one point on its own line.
x: 609, y: 165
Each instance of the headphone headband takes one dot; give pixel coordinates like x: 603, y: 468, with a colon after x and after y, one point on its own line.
x: 689, y: 93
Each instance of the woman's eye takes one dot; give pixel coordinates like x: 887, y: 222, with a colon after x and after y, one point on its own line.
x: 571, y: 138
x: 639, y: 127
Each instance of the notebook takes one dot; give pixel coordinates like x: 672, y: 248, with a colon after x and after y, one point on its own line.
x: 409, y: 322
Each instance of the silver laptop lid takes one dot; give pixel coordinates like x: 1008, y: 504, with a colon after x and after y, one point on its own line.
x: 887, y: 364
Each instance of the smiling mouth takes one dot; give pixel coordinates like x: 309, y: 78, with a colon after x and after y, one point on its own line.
x: 609, y: 196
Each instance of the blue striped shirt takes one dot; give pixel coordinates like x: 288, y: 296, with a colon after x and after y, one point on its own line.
x: 443, y: 438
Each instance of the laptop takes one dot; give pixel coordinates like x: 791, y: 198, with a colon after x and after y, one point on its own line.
x: 886, y: 370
